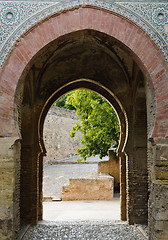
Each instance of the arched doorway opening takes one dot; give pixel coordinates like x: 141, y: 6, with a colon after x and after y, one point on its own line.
x: 90, y: 183
x: 55, y: 71
x: 106, y: 56
x: 94, y: 86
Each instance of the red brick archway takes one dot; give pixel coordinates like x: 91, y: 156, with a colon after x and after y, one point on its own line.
x: 147, y: 54
x: 142, y: 49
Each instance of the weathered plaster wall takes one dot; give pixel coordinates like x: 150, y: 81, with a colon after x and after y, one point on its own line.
x: 57, y: 175
x: 57, y: 127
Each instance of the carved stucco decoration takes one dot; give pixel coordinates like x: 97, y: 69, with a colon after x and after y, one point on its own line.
x: 16, y: 17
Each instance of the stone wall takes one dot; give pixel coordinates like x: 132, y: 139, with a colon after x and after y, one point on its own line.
x: 111, y: 167
x: 57, y: 127
x: 9, y: 188
x: 57, y: 175
x: 158, y: 199
x: 100, y: 188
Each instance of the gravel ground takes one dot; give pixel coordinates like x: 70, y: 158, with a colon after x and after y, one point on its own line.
x: 84, y: 231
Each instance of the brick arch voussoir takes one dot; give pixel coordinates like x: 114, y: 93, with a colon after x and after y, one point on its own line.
x: 148, y: 55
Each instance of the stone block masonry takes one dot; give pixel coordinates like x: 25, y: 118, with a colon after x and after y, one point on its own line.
x: 100, y: 188
x: 9, y: 187
x: 57, y: 175
x: 57, y: 128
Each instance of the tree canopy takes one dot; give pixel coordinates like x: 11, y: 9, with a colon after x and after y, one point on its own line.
x: 61, y: 102
x: 98, y: 123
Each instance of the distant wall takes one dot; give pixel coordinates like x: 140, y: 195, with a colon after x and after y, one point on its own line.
x: 57, y: 127
x: 111, y: 167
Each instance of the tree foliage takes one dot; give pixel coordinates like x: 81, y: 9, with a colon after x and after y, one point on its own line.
x: 61, y: 102
x: 98, y: 123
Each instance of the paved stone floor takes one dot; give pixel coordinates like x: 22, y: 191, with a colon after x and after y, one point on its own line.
x: 84, y: 231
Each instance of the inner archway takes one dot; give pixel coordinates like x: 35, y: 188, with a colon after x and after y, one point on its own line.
x: 94, y: 86
x: 88, y: 188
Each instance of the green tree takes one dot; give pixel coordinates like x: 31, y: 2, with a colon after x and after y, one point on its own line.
x: 61, y: 102
x: 98, y: 123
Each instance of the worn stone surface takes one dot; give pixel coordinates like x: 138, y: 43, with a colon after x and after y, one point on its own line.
x: 57, y: 128
x: 111, y: 167
x: 100, y: 188
x: 158, y: 204
x: 57, y: 176
x: 9, y: 187
x: 82, y: 210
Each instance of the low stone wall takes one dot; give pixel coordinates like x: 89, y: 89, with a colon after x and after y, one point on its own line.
x: 57, y: 127
x: 100, y: 188
x: 56, y: 176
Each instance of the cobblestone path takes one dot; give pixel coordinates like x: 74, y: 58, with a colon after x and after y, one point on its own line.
x: 84, y: 231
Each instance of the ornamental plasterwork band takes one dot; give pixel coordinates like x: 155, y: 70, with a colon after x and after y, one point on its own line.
x: 16, y: 17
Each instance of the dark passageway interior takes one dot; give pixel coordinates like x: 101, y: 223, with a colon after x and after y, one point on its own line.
x: 92, y: 60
